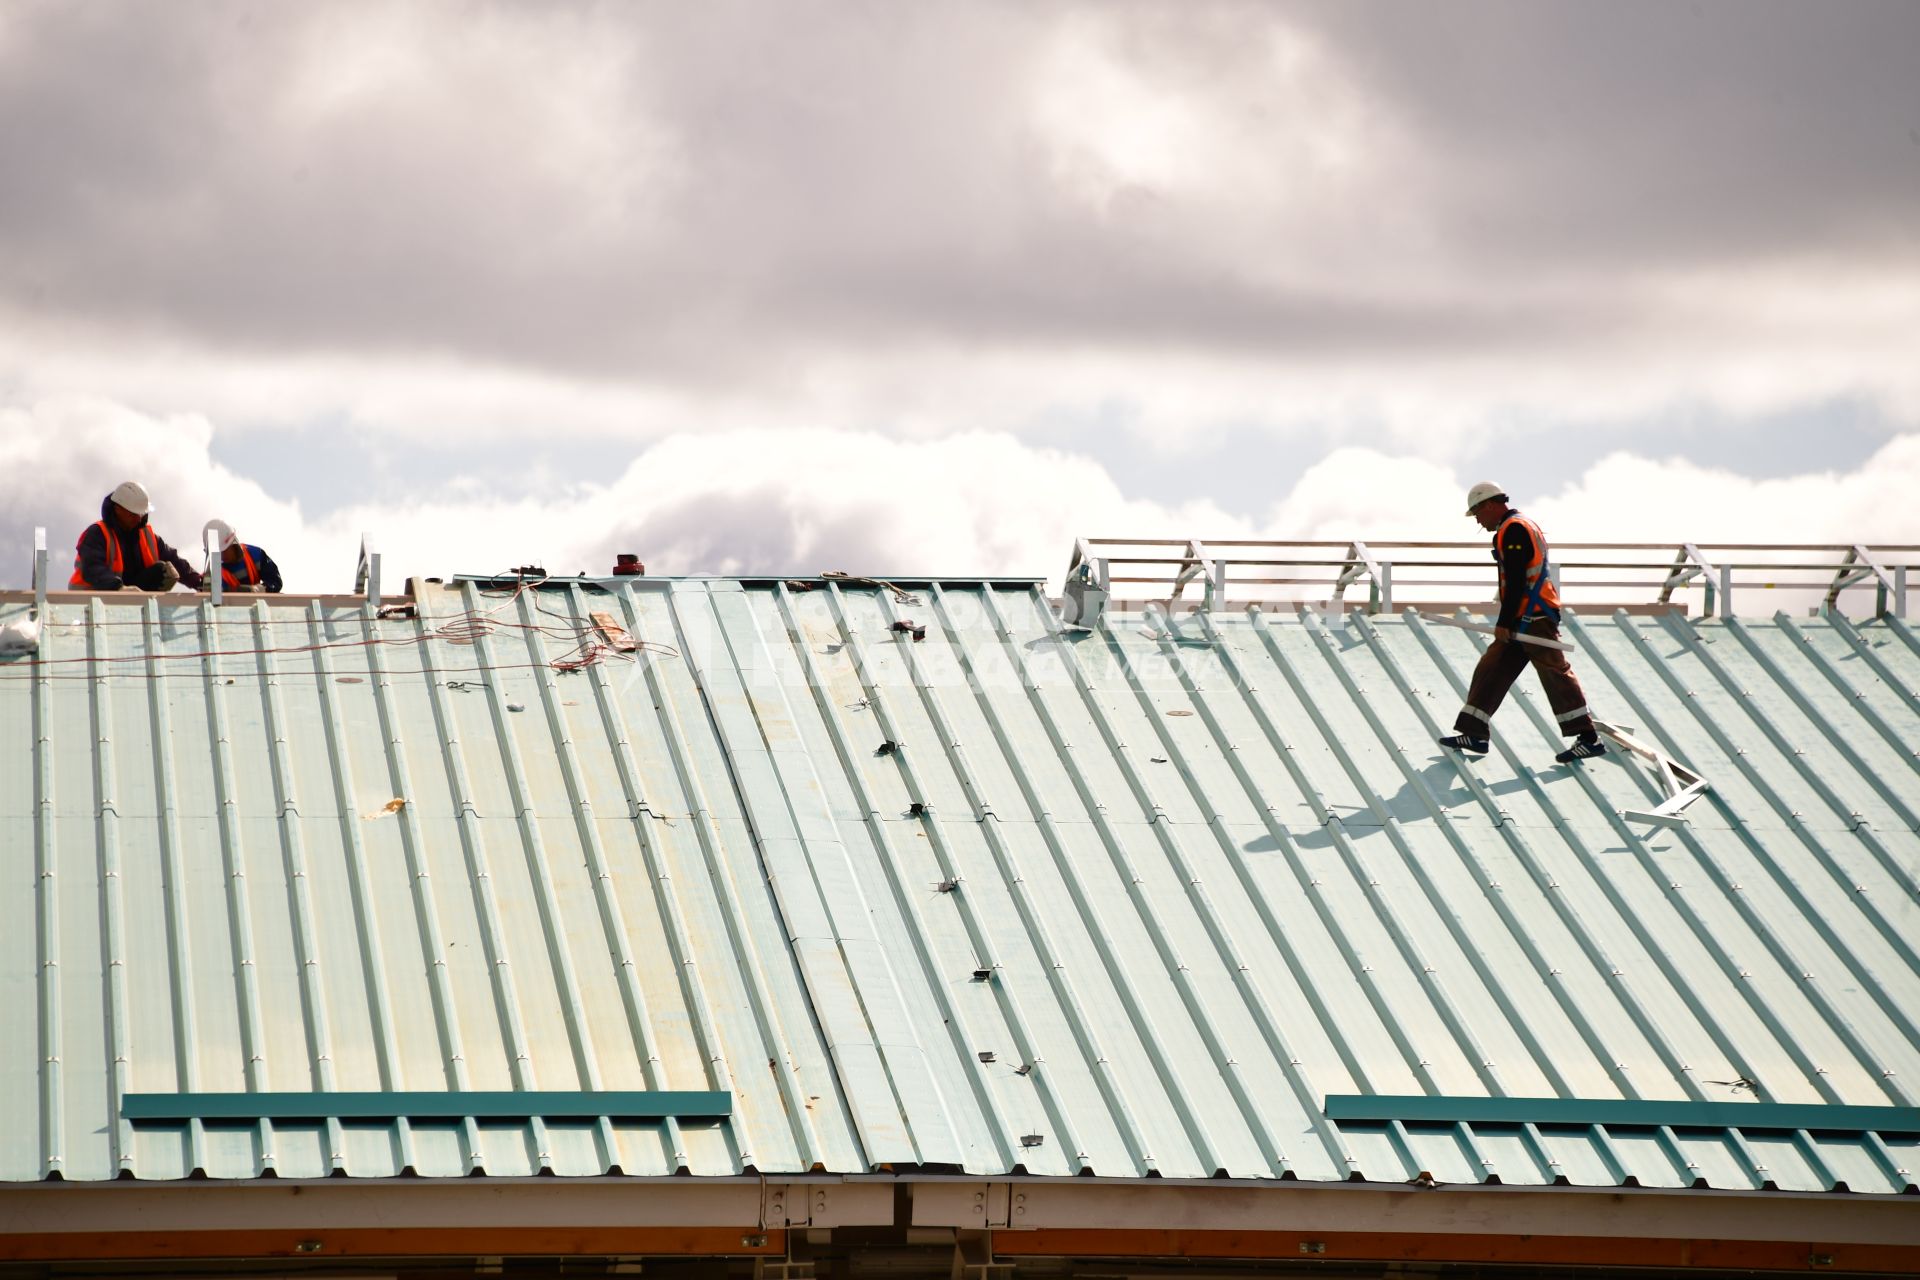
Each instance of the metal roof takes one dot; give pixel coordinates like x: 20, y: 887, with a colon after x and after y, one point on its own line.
x: 1137, y: 902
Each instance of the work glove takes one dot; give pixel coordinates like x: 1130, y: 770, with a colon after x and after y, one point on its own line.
x: 159, y: 577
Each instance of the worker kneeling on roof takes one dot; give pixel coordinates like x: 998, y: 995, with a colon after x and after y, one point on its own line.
x: 1529, y: 612
x: 122, y: 550
x: 244, y: 567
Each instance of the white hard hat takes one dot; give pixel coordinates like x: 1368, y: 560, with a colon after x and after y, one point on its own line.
x: 132, y: 495
x: 1481, y: 492
x: 225, y: 531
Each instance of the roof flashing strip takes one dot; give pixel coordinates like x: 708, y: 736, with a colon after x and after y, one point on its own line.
x: 480, y: 1105
x: 1623, y: 1111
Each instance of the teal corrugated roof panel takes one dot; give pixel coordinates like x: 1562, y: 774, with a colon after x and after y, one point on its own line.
x: 1135, y: 901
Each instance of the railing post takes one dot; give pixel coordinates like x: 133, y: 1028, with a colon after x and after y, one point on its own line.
x: 216, y: 582
x: 1385, y: 578
x: 366, y: 576
x: 39, y: 572
x: 1900, y: 591
x: 1726, y: 591
x: 1360, y: 557
x: 1215, y: 590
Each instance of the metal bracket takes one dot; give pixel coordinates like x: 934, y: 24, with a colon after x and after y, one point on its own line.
x: 1860, y: 564
x: 973, y: 1258
x: 1197, y: 564
x: 1102, y: 574
x: 1682, y: 785
x: 366, y: 574
x: 1379, y: 574
x: 797, y: 1265
x: 1688, y: 564
x: 1087, y: 588
x: 1082, y: 599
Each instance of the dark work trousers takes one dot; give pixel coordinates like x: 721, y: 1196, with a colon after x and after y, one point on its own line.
x: 1502, y: 664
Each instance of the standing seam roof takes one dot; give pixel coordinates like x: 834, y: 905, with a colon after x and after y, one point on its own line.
x: 1015, y: 898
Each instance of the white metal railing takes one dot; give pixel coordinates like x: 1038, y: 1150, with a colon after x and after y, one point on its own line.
x: 1588, y: 573
x: 366, y: 573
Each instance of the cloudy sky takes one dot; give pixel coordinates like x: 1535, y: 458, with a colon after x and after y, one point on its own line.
x: 931, y: 288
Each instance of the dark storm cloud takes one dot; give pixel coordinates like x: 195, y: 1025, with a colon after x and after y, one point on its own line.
x: 688, y: 193
x: 1660, y: 134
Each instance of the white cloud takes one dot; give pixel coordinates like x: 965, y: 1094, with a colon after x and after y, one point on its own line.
x: 59, y: 458
x: 1637, y: 499
x: 785, y: 501
x: 1367, y: 494
x: 742, y: 501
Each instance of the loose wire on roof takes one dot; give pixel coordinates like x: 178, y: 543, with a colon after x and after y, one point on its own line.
x: 900, y: 594
x: 463, y: 628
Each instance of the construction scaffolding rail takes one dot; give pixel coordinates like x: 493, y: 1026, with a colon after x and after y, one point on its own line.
x: 1589, y: 574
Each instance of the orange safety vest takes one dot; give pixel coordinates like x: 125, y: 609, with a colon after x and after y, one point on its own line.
x: 1543, y: 598
x: 149, y: 554
x: 253, y: 574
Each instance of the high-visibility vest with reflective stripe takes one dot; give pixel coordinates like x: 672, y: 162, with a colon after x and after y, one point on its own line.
x: 1542, y: 595
x: 227, y: 575
x: 149, y: 554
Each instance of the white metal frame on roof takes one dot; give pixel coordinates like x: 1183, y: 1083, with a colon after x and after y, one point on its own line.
x: 1301, y: 571
x: 1860, y: 564
x: 1682, y: 785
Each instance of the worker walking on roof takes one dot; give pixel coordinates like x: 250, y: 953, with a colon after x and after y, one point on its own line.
x: 1529, y: 605
x: 122, y: 550
x: 244, y: 567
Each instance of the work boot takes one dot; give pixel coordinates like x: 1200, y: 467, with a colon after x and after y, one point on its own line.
x: 1464, y: 745
x: 1584, y: 747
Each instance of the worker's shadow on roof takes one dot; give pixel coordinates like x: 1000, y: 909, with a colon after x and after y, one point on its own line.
x: 1444, y: 783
